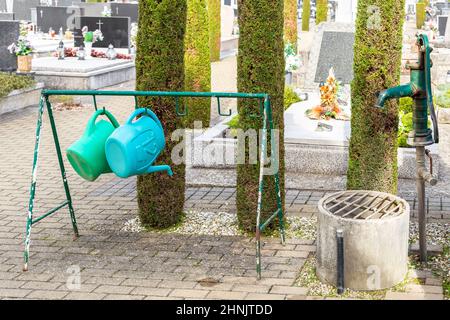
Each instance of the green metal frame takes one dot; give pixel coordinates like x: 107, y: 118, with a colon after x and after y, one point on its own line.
x: 265, y: 109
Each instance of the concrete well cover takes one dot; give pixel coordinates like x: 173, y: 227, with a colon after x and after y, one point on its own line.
x: 376, y: 232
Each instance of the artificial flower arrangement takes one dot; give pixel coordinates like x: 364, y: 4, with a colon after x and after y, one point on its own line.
x: 72, y: 53
x: 91, y: 36
x: 22, y: 48
x: 292, y: 59
x: 329, y: 107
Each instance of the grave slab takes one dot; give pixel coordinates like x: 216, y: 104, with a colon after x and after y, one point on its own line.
x: 90, y: 74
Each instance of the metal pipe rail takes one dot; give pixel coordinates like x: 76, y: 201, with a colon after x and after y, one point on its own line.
x: 265, y: 111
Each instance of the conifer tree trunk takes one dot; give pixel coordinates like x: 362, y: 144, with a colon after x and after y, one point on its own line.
x: 377, y: 59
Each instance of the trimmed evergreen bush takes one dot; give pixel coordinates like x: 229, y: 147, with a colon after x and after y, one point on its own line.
x: 322, y: 11
x: 420, y: 14
x: 214, y: 16
x: 197, y: 64
x: 290, y: 22
x: 160, y: 66
x: 306, y: 13
x: 260, y: 69
x: 377, y: 58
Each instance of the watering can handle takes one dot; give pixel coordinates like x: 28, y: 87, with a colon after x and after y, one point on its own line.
x: 144, y: 111
x: 91, y: 124
x: 424, y: 39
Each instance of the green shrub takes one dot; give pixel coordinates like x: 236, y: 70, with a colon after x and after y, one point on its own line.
x: 290, y: 22
x: 260, y: 69
x: 322, y: 11
x: 443, y: 96
x: 214, y: 28
x: 420, y: 14
x: 290, y: 97
x: 11, y: 82
x: 306, y: 13
x: 160, y: 67
x: 376, y: 65
x: 406, y: 105
x: 197, y: 64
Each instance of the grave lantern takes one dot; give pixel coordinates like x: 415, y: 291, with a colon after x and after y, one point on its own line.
x: 60, y: 50
x: 81, y: 53
x: 111, y: 53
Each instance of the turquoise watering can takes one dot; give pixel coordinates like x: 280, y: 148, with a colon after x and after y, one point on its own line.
x: 134, y: 147
x: 87, y: 155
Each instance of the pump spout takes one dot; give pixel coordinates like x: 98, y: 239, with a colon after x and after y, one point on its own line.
x: 406, y: 90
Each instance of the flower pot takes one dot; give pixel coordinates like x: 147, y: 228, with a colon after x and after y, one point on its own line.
x: 24, y: 63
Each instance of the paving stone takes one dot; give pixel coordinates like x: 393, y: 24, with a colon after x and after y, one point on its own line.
x: 47, y: 294
x: 257, y: 288
x: 84, y: 296
x: 123, y: 297
x: 13, y: 293
x: 262, y: 296
x: 187, y: 293
x: 226, y: 295
x: 160, y: 292
x: 114, y: 289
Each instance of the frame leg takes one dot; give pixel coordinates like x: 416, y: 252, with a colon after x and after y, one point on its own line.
x: 258, y: 253
x: 62, y: 169
x: 26, y: 253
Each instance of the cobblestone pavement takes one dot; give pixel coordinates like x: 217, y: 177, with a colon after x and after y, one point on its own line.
x: 113, y: 264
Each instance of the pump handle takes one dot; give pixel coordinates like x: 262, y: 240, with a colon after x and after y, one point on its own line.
x: 423, y: 42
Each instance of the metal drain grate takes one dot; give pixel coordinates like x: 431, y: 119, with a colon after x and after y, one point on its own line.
x: 364, y: 205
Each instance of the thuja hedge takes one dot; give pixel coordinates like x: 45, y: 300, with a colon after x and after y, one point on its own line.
x: 197, y: 62
x: 306, y: 12
x: 214, y: 28
x: 290, y: 21
x: 322, y: 11
x: 420, y: 14
x: 260, y: 69
x: 377, y: 58
x: 160, y: 66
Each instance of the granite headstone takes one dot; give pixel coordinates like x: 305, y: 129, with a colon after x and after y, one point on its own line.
x: 6, y: 16
x: 22, y: 9
x: 10, y: 34
x: 116, y: 31
x: 94, y: 9
x: 442, y: 24
x: 57, y: 17
x: 336, y: 51
x: 130, y: 10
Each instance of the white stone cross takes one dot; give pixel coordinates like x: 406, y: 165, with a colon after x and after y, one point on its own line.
x: 100, y: 24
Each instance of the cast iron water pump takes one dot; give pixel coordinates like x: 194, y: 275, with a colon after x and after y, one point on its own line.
x: 421, y: 136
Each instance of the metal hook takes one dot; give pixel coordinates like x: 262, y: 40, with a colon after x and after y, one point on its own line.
x: 177, y: 108
x: 95, y: 102
x: 220, y: 112
x: 136, y: 104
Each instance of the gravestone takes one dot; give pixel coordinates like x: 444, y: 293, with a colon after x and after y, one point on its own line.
x: 125, y: 10
x: 94, y: 9
x: 6, y: 16
x: 22, y: 8
x: 332, y: 46
x: 10, y: 34
x: 336, y: 51
x: 116, y: 31
x: 57, y: 17
x: 442, y: 24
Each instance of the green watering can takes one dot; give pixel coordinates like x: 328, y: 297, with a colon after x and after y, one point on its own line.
x: 87, y: 155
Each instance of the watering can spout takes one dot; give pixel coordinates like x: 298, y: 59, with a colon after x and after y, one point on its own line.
x: 153, y: 169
